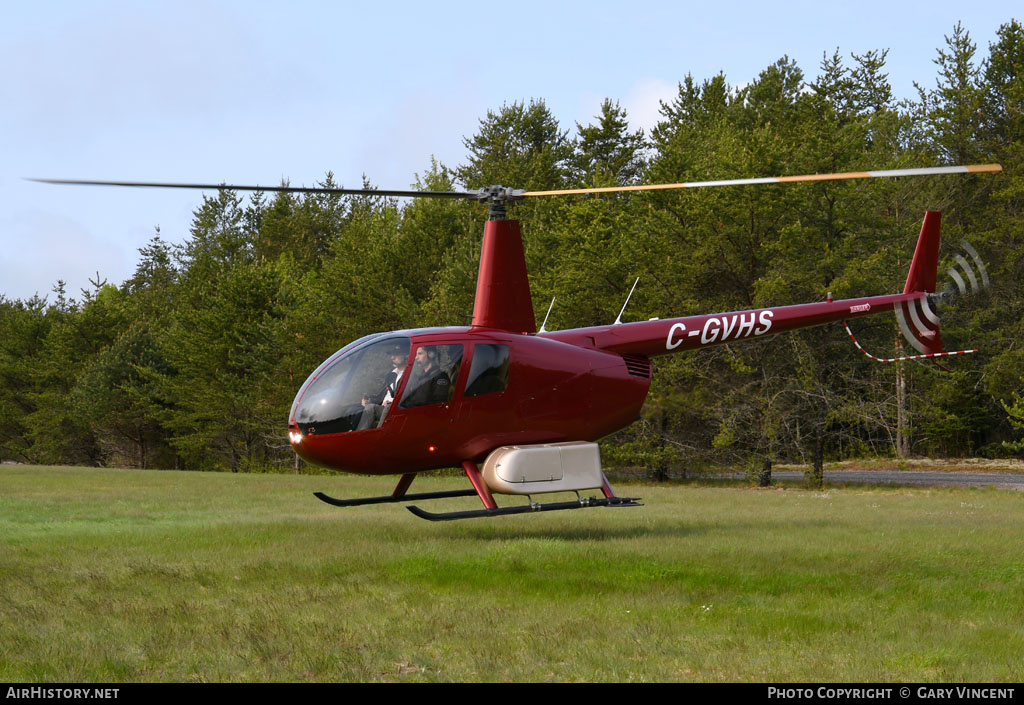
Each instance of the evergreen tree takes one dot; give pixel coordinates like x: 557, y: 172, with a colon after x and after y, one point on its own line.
x: 56, y: 433
x: 954, y: 106
x: 24, y: 327
x: 520, y: 146
x: 1002, y: 318
x: 608, y: 154
x: 221, y: 389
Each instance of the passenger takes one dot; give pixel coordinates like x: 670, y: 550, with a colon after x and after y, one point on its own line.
x: 429, y: 384
x: 375, y: 407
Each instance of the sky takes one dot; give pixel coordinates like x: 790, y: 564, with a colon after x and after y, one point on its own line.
x: 253, y: 92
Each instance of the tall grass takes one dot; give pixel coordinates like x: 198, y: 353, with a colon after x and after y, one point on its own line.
x: 111, y: 575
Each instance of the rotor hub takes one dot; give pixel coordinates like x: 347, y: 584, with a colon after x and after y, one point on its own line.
x: 498, y: 199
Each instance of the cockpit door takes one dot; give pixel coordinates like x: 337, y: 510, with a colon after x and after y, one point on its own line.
x: 429, y: 394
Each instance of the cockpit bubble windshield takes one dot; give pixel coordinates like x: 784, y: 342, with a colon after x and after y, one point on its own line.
x: 334, y: 402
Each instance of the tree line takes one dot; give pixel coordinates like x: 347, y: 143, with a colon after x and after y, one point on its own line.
x: 193, y: 362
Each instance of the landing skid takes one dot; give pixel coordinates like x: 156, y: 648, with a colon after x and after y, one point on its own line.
x: 389, y: 498
x: 581, y: 503
x: 480, y: 489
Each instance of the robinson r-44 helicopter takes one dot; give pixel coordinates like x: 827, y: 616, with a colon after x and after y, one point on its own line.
x: 520, y: 410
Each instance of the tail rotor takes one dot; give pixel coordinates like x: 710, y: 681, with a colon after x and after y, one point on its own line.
x: 918, y: 318
x: 970, y: 268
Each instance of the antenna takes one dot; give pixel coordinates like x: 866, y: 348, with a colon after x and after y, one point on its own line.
x: 619, y: 319
x: 542, y: 329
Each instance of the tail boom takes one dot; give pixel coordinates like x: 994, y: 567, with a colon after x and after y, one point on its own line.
x: 914, y: 311
x: 672, y: 335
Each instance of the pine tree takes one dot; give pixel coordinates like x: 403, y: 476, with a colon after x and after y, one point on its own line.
x: 608, y: 154
x: 520, y: 146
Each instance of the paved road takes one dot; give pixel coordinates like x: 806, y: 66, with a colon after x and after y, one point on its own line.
x: 917, y: 478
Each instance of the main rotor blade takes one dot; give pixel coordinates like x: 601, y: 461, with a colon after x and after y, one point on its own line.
x: 970, y: 169
x: 277, y: 189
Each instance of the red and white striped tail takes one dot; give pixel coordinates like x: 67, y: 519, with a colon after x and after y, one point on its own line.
x: 923, y: 356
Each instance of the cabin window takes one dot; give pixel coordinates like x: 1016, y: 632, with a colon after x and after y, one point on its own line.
x: 435, y: 371
x: 336, y: 396
x: 489, y: 371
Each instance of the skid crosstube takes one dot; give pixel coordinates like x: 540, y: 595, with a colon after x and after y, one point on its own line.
x: 582, y: 503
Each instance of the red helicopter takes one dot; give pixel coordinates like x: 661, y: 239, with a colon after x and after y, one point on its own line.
x: 520, y: 410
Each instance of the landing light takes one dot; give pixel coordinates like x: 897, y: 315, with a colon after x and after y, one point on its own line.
x: 295, y: 437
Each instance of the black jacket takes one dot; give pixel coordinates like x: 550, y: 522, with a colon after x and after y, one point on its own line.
x: 426, y: 388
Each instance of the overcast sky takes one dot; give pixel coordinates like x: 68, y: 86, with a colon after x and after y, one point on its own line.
x: 255, y: 92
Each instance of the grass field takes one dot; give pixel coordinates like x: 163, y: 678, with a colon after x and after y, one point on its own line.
x: 125, y: 575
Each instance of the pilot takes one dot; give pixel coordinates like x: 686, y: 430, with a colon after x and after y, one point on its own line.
x: 375, y: 406
x: 430, y: 384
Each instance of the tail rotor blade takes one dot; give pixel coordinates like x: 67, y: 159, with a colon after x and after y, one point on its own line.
x: 966, y: 272
x: 969, y: 271
x: 977, y: 261
x: 924, y: 337
x: 960, y: 283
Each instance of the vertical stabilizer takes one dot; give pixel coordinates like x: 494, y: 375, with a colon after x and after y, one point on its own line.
x: 917, y: 320
x: 925, y: 266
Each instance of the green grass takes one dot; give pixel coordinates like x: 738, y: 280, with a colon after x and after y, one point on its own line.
x: 123, y: 575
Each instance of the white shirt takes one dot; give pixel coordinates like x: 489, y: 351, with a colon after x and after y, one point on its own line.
x: 388, y: 398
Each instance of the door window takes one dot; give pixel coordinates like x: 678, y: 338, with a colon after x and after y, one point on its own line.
x: 435, y: 371
x: 488, y: 372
